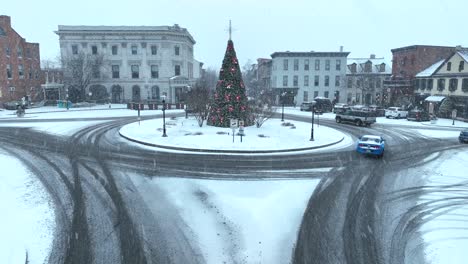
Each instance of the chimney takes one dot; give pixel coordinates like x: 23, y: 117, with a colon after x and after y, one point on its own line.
x: 458, y: 47
x: 372, y: 56
x: 5, y: 20
x: 341, y: 48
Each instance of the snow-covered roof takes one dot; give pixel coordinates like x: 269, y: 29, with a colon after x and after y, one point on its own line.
x: 431, y: 70
x: 361, y: 62
x: 464, y: 54
x: 435, y: 98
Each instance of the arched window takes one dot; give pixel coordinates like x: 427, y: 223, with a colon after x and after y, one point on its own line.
x: 136, y: 94
x: 155, y: 95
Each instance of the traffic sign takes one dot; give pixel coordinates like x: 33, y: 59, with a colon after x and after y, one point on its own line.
x: 233, y: 123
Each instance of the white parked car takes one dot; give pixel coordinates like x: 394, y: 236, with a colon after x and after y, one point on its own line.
x: 396, y: 112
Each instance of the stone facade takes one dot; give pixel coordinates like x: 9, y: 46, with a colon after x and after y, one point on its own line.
x: 303, y: 76
x: 20, y: 72
x: 141, y: 63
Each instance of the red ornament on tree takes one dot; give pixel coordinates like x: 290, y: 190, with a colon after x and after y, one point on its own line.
x: 231, y: 108
x: 233, y: 69
x: 238, y: 98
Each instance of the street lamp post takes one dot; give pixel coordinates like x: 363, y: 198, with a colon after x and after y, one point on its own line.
x: 66, y: 98
x: 312, y: 129
x: 164, y: 116
x: 282, y: 105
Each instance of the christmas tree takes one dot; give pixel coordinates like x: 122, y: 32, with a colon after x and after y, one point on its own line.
x: 230, y: 101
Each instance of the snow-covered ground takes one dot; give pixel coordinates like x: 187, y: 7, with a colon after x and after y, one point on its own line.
x: 446, y: 231
x: 56, y: 128
x: 27, y: 221
x: 273, y: 135
x: 238, y: 221
x: 50, y: 112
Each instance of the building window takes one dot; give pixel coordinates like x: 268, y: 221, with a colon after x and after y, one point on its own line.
x: 177, y: 70
x: 327, y: 65
x: 7, y: 50
x: 349, y: 98
x: 154, y: 50
x: 449, y: 66
x: 9, y: 73
x: 337, y: 81
x: 382, y: 67
x: 74, y: 49
x: 135, y: 71
x: 461, y: 66
x: 115, y: 71
x: 295, y: 81
x: 154, y: 71
x: 21, y: 71
x: 465, y: 85
x: 115, y: 50
x: 177, y: 50
x: 296, y: 64
x: 306, y: 80
x: 19, y: 51
x: 350, y: 82
x: 96, y: 72
x: 368, y: 67
x: 441, y: 84
x: 306, y: 96
x: 28, y: 53
x: 353, y: 68
x: 327, y: 80
x: 453, y: 84
x: 134, y: 50
x: 94, y: 50
x: 326, y: 94
x: 306, y: 64
x: 285, y: 80
x: 338, y: 65
x: 315, y: 94
x: 358, y: 97
x: 317, y: 65
x: 155, y: 93
x: 378, y: 83
x: 285, y: 65
x: 430, y: 83
x: 423, y: 84
x: 316, y: 80
x: 30, y: 75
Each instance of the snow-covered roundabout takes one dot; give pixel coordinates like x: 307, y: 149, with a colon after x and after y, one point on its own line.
x: 274, y: 136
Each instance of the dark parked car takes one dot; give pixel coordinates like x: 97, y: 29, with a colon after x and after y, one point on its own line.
x: 323, y: 104
x: 463, y: 137
x: 418, y: 115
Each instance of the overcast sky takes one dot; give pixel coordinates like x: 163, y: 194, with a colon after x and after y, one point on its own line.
x: 262, y: 27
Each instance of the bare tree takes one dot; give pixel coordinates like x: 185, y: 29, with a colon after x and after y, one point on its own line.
x: 249, y: 75
x: 78, y: 70
x: 198, y: 103
x: 208, y: 79
x: 262, y: 107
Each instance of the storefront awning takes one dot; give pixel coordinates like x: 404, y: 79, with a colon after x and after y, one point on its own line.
x: 435, y: 98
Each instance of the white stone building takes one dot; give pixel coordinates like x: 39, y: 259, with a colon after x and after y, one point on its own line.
x: 303, y: 76
x: 141, y: 63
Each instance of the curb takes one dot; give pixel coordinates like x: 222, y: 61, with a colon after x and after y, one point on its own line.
x: 229, y: 151
x: 432, y: 125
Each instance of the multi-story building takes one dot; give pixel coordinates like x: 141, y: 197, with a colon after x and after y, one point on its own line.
x: 445, y: 78
x: 20, y: 72
x: 406, y: 63
x: 364, y: 80
x: 302, y: 76
x: 140, y: 62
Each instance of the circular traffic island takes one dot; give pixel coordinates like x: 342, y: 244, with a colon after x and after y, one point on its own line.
x: 274, y: 136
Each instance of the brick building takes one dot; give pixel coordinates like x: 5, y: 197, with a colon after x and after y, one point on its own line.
x: 407, y: 62
x: 20, y: 72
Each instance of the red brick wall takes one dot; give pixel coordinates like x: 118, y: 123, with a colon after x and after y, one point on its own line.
x: 30, y: 60
x: 418, y: 58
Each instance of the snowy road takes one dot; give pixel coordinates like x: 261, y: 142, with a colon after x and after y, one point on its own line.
x: 120, y: 203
